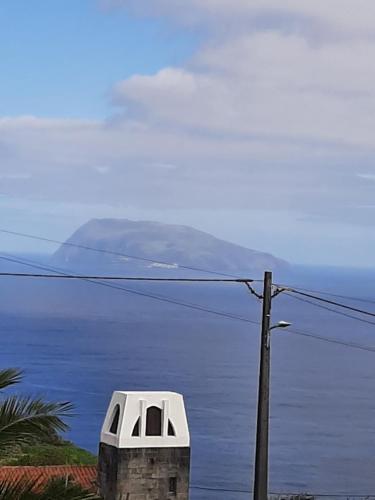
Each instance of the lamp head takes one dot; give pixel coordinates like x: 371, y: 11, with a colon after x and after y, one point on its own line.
x: 283, y: 324
x: 280, y: 324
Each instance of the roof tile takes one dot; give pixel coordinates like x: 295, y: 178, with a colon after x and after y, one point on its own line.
x: 84, y: 475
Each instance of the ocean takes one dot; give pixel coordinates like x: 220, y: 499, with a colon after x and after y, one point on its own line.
x: 79, y: 342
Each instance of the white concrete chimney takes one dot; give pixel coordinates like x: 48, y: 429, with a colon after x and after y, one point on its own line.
x: 145, y: 447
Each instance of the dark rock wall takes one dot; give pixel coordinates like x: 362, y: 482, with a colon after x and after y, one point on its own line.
x: 144, y: 473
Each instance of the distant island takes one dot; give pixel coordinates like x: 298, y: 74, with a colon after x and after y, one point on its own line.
x: 144, y: 245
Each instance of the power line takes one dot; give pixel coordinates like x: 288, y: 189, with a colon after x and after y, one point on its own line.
x: 324, y: 495
x: 120, y: 254
x: 143, y: 294
x: 330, y: 294
x: 25, y: 262
x: 226, y: 490
x: 332, y: 302
x: 204, y: 309
x: 326, y: 308
x: 94, y: 279
x: 183, y: 280
x: 124, y: 278
x: 289, y: 494
x: 111, y: 252
x: 329, y: 340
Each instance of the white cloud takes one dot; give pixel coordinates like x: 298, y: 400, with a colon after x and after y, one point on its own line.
x: 266, y: 85
x: 225, y: 171
x: 264, y: 118
x: 367, y: 177
x: 348, y: 16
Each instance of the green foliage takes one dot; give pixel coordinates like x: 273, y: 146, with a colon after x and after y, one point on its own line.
x: 61, y: 453
x: 29, y: 435
x: 9, y: 377
x: 59, y: 488
x: 24, y: 419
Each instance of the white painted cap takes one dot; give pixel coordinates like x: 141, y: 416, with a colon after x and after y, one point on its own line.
x: 146, y: 420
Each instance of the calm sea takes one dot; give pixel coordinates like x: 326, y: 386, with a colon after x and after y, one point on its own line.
x: 80, y: 342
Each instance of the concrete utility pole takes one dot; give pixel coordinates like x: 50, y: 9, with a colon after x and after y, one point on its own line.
x: 261, y: 454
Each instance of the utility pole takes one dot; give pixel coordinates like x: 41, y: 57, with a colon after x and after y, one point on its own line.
x: 261, y: 453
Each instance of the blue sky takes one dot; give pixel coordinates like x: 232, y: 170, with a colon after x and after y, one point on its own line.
x: 62, y: 58
x: 250, y: 120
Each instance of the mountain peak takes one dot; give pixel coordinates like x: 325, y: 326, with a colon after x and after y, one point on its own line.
x: 123, y: 243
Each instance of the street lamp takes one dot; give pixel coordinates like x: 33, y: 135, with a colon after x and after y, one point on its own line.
x: 281, y: 324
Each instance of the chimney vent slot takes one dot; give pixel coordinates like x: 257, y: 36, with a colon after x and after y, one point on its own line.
x: 115, y: 420
x: 136, y: 429
x: 153, y: 421
x: 171, y: 431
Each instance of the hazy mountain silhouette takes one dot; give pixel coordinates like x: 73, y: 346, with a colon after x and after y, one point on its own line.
x: 159, y: 243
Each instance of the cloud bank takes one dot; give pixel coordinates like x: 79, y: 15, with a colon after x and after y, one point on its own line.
x: 336, y: 17
x: 275, y: 110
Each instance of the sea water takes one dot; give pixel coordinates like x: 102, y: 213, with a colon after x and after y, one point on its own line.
x: 80, y: 342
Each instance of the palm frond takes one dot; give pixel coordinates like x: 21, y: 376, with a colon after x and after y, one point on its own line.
x: 65, y: 489
x: 10, y: 376
x: 55, y: 489
x: 23, y: 419
x: 22, y: 489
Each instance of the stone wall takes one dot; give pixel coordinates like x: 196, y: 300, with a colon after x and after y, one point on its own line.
x: 143, y: 473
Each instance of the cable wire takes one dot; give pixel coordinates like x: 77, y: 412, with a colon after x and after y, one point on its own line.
x: 136, y: 292
x: 118, y: 254
x: 183, y: 280
x: 225, y: 490
x: 202, y: 308
x: 123, y: 278
x: 332, y: 302
x: 326, y: 308
x: 329, y: 340
x: 284, y: 494
x: 330, y: 294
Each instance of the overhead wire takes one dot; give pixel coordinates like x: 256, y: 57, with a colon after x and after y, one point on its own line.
x: 112, y: 252
x: 230, y: 316
x: 285, y: 494
x: 96, y: 280
x: 327, y: 301
x: 137, y: 292
x: 124, y: 278
x: 26, y: 262
x: 191, y: 268
x: 326, y: 308
x: 330, y: 294
x: 32, y: 264
x: 329, y: 340
x: 224, y: 490
x: 315, y: 496
x: 246, y: 281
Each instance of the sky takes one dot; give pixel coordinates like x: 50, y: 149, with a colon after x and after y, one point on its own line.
x: 253, y: 120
